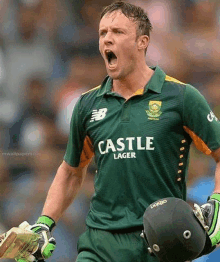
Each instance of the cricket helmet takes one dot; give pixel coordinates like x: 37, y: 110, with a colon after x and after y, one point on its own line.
x: 173, y: 232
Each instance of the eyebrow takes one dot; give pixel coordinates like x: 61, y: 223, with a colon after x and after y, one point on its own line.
x: 114, y: 28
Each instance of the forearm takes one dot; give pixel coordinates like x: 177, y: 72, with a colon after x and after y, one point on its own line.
x: 217, y: 178
x: 216, y: 156
x: 63, y: 190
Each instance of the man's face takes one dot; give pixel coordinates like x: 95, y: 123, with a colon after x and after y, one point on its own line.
x: 118, y: 44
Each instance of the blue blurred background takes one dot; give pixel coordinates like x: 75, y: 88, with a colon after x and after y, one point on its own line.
x: 48, y: 57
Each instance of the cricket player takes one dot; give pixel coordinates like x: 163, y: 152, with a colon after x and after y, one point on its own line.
x: 139, y: 125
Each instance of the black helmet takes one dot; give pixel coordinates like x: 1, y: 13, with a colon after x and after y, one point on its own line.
x: 173, y: 232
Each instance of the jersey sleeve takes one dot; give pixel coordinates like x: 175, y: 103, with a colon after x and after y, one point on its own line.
x: 79, y: 151
x: 200, y: 122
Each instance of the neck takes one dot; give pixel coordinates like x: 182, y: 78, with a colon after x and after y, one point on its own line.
x: 127, y: 86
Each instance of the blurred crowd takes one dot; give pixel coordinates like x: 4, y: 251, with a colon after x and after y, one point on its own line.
x: 49, y: 55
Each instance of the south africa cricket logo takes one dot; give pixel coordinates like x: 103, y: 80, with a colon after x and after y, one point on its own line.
x: 154, y: 111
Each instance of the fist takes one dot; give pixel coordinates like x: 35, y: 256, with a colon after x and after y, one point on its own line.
x: 46, y: 242
x: 211, y: 214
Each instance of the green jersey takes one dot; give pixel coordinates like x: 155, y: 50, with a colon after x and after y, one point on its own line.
x: 141, y: 145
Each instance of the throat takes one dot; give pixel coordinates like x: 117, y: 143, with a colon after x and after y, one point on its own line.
x: 126, y: 92
x: 132, y: 84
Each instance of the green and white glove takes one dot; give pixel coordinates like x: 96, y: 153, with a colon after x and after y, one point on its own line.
x: 46, y: 242
x: 211, y: 214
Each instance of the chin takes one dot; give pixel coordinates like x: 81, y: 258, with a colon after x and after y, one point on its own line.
x: 115, y: 75
x: 112, y: 75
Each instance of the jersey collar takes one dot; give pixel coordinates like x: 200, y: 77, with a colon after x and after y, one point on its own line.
x: 155, y: 84
x: 157, y: 80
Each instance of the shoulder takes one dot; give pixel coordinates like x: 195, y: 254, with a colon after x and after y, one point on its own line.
x: 94, y: 94
x: 173, y: 81
x: 173, y: 87
x: 89, y: 97
x: 92, y: 91
x: 185, y: 88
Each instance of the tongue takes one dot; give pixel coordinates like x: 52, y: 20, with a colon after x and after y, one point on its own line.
x: 113, y: 61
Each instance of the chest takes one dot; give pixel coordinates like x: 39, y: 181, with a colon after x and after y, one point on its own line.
x: 135, y: 123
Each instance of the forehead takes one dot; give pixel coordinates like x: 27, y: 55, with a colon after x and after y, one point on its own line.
x: 116, y: 18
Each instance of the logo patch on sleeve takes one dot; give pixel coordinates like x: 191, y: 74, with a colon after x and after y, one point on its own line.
x: 211, y: 116
x: 154, y: 111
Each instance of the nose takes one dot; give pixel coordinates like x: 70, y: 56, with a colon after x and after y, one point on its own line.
x: 108, y: 38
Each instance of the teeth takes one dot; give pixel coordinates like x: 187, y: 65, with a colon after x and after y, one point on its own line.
x: 108, y: 54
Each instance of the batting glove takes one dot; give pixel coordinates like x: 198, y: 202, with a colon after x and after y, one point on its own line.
x: 46, y: 243
x: 211, y: 213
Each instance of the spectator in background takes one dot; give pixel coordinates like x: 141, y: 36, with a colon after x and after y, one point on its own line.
x: 32, y: 31
x: 202, y: 41
x: 168, y: 54
x: 87, y: 23
x: 84, y: 72
x: 4, y: 193
x: 26, y: 47
x: 212, y: 92
x: 4, y: 190
x: 35, y: 105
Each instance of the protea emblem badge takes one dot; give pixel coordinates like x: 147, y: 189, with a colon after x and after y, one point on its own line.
x: 154, y: 111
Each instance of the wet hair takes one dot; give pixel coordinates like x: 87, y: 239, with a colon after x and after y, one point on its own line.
x: 133, y: 12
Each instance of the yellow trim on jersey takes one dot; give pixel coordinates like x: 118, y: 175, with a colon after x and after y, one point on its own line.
x: 139, y: 92
x: 199, y: 143
x: 171, y: 79
x: 94, y: 88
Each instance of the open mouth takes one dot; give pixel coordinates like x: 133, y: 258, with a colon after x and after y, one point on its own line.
x: 111, y: 57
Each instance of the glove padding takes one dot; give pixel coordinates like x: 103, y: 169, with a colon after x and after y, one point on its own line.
x: 211, y: 214
x: 18, y: 242
x: 46, y: 243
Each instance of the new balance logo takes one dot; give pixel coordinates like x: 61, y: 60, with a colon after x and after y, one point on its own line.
x: 98, y: 114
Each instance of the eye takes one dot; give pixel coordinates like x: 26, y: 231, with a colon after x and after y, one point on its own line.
x: 118, y: 31
x: 102, y: 33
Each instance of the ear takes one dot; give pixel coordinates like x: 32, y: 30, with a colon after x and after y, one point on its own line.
x: 143, y: 42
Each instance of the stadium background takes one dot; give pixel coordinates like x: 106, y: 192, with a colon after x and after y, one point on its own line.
x: 48, y: 57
